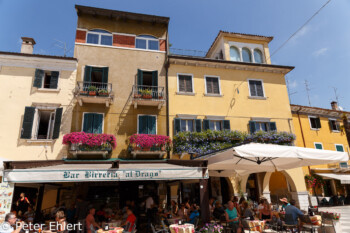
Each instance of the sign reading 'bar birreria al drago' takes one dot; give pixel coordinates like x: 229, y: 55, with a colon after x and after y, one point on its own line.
x: 77, y: 175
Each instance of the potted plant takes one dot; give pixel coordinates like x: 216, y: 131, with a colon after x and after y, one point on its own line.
x: 92, y: 90
x: 103, y: 92
x: 84, y: 92
x: 160, y: 97
x: 146, y: 94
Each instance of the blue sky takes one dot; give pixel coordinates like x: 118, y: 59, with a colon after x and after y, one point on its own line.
x: 320, y: 52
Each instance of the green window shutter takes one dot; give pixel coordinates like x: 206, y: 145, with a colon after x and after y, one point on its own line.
x: 198, y: 125
x: 57, y: 125
x: 105, y: 74
x: 272, y: 126
x: 177, y: 125
x: 28, y: 118
x: 155, y: 78
x: 252, y: 127
x: 339, y: 148
x: 97, y: 123
x: 143, y: 125
x: 54, y: 79
x: 139, y: 77
x: 318, y: 123
x: 226, y: 124
x: 205, y: 124
x: 88, y: 122
x: 152, y: 125
x: 318, y: 146
x: 87, y: 74
x: 39, y: 74
x: 330, y: 124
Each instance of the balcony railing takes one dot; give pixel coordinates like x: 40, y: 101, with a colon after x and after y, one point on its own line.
x: 94, y: 92
x: 148, y: 95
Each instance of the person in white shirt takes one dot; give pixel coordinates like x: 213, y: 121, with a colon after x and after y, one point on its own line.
x: 10, y: 221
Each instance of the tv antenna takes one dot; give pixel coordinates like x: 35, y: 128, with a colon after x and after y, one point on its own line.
x: 307, y: 91
x: 63, y: 45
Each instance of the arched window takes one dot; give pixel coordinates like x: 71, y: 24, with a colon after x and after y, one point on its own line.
x: 147, y: 42
x: 98, y: 36
x: 258, y: 57
x: 247, y: 56
x: 234, y: 54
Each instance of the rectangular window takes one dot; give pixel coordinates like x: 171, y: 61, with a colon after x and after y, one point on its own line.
x: 141, y: 44
x: 318, y: 146
x: 98, y: 36
x: 256, y: 88
x: 147, y: 42
x: 46, y: 79
x: 255, y: 126
x: 315, y: 122
x: 340, y: 148
x: 153, y: 45
x: 212, y: 85
x: 41, y: 123
x: 185, y: 83
x: 93, y: 123
x: 147, y: 124
x: 215, y: 125
x: 187, y: 125
x: 334, y: 125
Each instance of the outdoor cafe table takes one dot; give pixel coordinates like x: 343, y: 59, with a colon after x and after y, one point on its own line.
x: 185, y: 228
x: 256, y: 225
x: 175, y: 220
x: 114, y: 223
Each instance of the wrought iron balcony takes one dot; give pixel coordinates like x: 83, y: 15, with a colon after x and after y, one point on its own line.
x: 148, y: 96
x: 94, y: 92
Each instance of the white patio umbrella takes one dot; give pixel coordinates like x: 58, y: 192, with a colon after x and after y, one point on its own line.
x: 256, y: 157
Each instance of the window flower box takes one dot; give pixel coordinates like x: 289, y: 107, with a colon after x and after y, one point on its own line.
x: 148, y: 142
x: 210, y: 141
x: 82, y: 143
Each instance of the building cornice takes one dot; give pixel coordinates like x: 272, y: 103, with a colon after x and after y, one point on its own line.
x: 224, y: 64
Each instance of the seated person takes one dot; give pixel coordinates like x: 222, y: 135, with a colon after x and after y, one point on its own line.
x: 91, y: 224
x: 218, y: 210
x: 130, y: 220
x: 232, y: 217
x: 194, y: 215
x: 182, y: 212
x: 294, y: 211
x: 285, y: 203
x: 265, y: 213
x: 247, y: 211
x: 29, y: 215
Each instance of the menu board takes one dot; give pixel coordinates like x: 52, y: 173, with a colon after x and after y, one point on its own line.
x: 6, y: 194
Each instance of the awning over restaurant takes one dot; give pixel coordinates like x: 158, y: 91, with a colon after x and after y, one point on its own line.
x: 92, y: 172
x: 344, y: 178
x: 256, y: 157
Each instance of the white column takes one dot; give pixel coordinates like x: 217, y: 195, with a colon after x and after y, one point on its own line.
x: 301, y: 199
x: 252, y: 52
x: 267, y: 196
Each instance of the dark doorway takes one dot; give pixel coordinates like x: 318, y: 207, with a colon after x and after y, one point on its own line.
x: 225, y: 190
x: 252, y: 187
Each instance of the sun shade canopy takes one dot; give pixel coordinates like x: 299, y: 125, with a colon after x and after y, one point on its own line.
x: 256, y: 157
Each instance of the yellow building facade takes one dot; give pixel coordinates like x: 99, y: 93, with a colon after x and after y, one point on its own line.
x: 321, y: 128
x: 130, y: 51
x: 37, y: 104
x: 235, y: 87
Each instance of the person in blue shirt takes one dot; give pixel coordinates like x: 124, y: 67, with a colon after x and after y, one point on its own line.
x: 232, y: 217
x: 294, y: 211
x: 194, y: 214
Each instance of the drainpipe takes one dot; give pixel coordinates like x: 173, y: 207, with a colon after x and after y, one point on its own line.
x: 167, y: 64
x: 302, y: 136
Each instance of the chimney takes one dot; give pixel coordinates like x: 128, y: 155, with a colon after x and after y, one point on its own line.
x: 27, y: 45
x: 334, y: 105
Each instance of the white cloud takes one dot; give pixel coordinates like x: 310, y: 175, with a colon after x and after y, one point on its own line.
x: 293, y: 84
x: 301, y: 33
x: 320, y: 52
